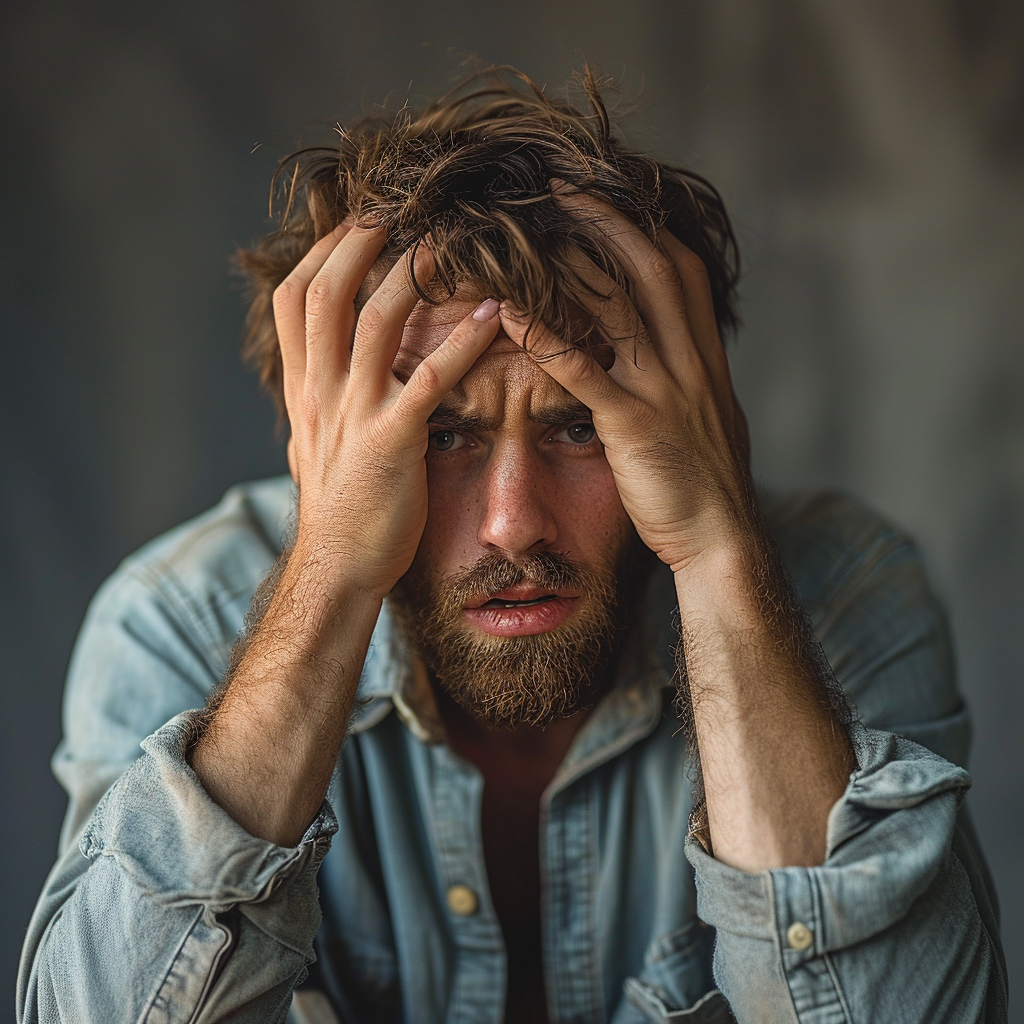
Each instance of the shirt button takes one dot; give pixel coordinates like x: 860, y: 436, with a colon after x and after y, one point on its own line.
x: 799, y: 936
x: 462, y: 900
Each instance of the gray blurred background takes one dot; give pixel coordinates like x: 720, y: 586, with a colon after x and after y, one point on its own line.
x: 872, y: 154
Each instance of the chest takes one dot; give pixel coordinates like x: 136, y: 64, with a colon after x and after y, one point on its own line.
x: 587, y: 891
x: 510, y: 829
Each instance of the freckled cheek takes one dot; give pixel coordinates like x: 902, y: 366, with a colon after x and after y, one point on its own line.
x: 590, y: 513
x: 452, y: 516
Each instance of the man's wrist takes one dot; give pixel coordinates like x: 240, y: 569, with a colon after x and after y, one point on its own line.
x: 723, y: 584
x: 316, y: 599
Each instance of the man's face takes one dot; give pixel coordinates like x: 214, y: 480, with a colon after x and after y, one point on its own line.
x: 513, y: 596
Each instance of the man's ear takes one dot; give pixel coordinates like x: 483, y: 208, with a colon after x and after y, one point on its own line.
x: 293, y: 467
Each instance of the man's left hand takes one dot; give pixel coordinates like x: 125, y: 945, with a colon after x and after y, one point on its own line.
x: 674, y: 434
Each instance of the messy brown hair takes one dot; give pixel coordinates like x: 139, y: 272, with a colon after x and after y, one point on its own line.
x: 474, y: 170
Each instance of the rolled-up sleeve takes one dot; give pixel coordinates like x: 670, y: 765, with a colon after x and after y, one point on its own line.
x: 167, y: 910
x: 893, y: 926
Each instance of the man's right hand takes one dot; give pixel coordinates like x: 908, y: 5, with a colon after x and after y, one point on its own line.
x: 359, y: 441
x: 359, y: 436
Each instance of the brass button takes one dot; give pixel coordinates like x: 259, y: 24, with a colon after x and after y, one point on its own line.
x: 799, y: 936
x: 462, y: 900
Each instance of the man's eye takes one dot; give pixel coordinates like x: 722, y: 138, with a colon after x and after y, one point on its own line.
x: 446, y: 440
x: 578, y: 433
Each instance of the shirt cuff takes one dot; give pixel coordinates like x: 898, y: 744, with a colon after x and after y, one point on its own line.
x: 887, y: 836
x: 160, y: 826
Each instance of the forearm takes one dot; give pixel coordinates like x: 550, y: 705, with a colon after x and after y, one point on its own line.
x: 267, y: 751
x: 773, y: 752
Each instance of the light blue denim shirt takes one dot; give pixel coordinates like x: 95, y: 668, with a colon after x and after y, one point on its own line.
x: 162, y: 909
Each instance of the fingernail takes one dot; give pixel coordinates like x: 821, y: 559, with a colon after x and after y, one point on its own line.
x: 511, y: 309
x: 487, y: 310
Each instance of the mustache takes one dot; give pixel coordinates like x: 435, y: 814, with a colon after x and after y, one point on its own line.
x: 547, y: 570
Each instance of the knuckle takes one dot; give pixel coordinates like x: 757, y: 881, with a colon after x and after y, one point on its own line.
x: 319, y: 297
x: 693, y: 265
x: 310, y: 409
x: 616, y: 303
x: 428, y: 375
x: 371, y: 320
x: 620, y: 308
x: 284, y: 296
x: 579, y: 361
x: 662, y: 269
x: 573, y: 362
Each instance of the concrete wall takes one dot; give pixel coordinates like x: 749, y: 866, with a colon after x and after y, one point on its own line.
x: 872, y: 154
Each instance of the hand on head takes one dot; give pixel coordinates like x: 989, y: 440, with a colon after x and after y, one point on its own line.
x: 674, y: 434
x: 359, y: 435
x: 662, y: 401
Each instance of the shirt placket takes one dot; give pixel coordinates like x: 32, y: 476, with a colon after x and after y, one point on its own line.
x: 479, y: 970
x: 568, y: 868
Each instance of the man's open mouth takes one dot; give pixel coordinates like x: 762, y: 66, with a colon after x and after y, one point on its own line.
x: 521, y: 611
x: 496, y: 602
x: 521, y: 596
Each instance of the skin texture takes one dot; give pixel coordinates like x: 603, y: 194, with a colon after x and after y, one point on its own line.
x: 668, y: 459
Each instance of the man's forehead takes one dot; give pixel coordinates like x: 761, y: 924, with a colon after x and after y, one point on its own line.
x: 428, y: 324
x: 502, y: 371
x: 503, y: 376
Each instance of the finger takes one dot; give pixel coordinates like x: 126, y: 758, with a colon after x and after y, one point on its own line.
x: 700, y: 314
x: 330, y: 302
x: 620, y: 325
x: 448, y: 363
x: 293, y: 462
x: 289, y: 304
x: 658, y: 295
x: 381, y: 323
x: 574, y: 368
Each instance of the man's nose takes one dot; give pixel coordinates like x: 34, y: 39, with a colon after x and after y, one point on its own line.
x: 518, y: 516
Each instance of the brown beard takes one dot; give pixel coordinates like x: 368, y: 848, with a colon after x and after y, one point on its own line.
x: 521, y: 680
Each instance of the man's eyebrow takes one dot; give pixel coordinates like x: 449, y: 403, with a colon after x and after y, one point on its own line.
x: 465, y: 422
x: 570, y: 411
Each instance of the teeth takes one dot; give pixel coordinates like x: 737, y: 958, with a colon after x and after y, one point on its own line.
x: 521, y: 604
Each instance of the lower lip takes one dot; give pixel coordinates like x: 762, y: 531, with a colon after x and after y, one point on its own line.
x: 522, y: 620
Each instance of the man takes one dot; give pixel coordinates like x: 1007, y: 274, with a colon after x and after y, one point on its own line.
x: 518, y: 456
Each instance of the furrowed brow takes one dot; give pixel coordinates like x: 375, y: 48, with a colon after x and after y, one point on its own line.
x: 466, y: 423
x: 559, y: 415
x: 565, y: 412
